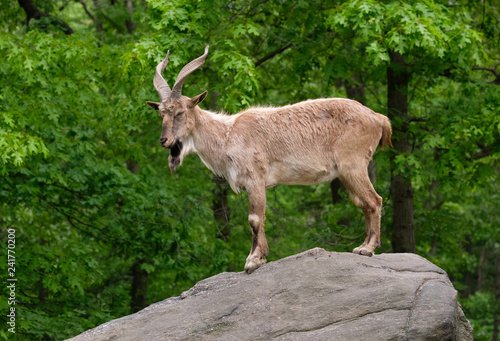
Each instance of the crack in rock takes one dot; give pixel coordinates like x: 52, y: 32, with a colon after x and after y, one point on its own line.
x: 343, y: 321
x: 414, y: 303
x: 401, y: 270
x: 233, y: 309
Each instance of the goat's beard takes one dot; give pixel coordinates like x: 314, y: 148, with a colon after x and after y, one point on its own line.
x: 175, y: 158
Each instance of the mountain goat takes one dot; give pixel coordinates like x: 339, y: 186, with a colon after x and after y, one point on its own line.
x: 301, y: 144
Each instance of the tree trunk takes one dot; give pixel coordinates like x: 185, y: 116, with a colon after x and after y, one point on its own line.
x: 133, y: 166
x: 480, y: 272
x: 468, y: 279
x: 221, y: 209
x: 403, y: 234
x: 335, y: 187
x: 139, y: 287
x: 98, y: 20
x: 130, y: 23
x: 43, y: 292
x: 434, y: 203
x: 354, y: 89
x: 496, y: 318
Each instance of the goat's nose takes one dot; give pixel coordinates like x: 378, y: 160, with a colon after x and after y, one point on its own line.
x: 163, y: 140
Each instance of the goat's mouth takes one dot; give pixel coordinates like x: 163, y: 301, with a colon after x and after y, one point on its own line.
x: 175, y: 159
x: 176, y: 149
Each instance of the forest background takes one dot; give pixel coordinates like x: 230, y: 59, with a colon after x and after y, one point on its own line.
x: 103, y: 230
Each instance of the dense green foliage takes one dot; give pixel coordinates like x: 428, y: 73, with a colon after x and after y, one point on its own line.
x: 86, y: 185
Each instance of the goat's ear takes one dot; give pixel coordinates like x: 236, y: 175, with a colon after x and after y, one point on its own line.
x: 153, y: 105
x: 197, y: 99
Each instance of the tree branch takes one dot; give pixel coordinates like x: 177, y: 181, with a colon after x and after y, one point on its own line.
x: 485, y: 151
x: 120, y: 30
x: 71, y: 220
x: 257, y: 5
x: 233, y: 18
x: 32, y: 12
x: 417, y: 119
x: 64, y: 5
x: 100, y: 14
x: 86, y: 10
x: 492, y: 70
x: 272, y: 54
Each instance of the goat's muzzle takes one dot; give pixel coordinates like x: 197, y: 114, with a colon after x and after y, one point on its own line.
x: 167, y: 143
x: 175, y: 146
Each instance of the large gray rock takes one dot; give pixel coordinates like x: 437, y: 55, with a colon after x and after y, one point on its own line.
x: 315, y: 295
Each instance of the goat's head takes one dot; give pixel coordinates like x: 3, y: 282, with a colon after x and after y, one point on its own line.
x: 176, y: 111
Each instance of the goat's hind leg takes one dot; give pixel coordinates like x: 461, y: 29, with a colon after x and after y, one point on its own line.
x: 362, y: 194
x: 361, y: 250
x: 256, y: 219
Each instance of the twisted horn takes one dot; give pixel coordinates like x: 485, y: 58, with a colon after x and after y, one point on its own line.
x: 160, y: 84
x: 186, y: 71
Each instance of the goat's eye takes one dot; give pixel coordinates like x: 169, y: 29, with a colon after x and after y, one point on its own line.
x: 179, y: 114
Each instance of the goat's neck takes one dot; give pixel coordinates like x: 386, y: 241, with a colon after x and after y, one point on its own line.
x: 209, y: 139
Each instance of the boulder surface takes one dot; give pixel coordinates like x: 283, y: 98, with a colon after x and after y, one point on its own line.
x: 314, y: 295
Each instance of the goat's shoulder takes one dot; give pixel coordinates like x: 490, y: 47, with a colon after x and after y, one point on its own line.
x: 254, y: 115
x: 219, y: 117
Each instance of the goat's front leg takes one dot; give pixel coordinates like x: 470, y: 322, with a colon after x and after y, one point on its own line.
x: 256, y: 218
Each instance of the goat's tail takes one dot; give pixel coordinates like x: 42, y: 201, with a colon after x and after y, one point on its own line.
x: 385, y: 140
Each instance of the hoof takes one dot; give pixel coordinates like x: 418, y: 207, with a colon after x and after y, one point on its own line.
x: 253, y: 263
x: 362, y: 251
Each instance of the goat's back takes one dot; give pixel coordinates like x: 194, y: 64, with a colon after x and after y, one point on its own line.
x: 308, y: 142
x: 310, y: 124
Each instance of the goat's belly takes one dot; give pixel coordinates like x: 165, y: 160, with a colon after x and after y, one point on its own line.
x: 296, y: 175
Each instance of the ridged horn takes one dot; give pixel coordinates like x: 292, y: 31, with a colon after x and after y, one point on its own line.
x: 186, y: 71
x: 160, y: 84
